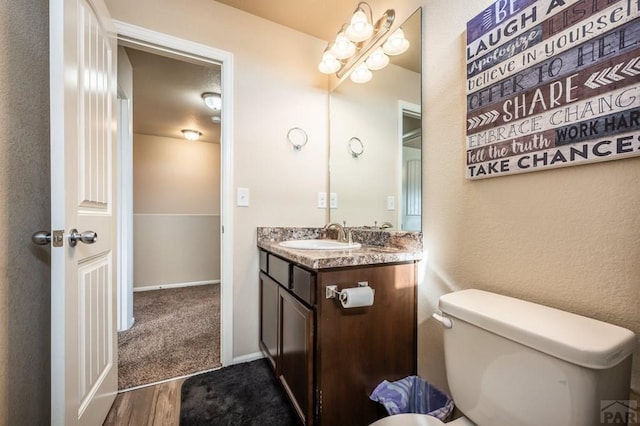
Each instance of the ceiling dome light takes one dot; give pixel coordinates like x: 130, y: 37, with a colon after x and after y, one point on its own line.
x: 396, y: 43
x: 329, y: 63
x: 361, y: 74
x: 343, y: 48
x: 191, y: 135
x: 212, y: 100
x: 360, y: 29
x: 377, y: 60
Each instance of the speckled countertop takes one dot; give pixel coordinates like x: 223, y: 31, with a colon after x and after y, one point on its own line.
x: 378, y: 246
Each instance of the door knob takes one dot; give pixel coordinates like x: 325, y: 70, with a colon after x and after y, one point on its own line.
x: 41, y: 238
x: 87, y: 237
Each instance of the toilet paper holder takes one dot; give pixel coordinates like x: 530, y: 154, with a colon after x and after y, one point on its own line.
x: 331, y: 291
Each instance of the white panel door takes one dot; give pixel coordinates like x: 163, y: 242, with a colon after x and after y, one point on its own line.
x: 83, y: 155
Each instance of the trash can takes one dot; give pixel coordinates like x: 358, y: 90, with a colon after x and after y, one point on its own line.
x: 413, y: 395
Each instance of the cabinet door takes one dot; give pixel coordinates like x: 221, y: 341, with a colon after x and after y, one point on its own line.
x: 360, y: 347
x: 269, y: 300
x: 296, y: 354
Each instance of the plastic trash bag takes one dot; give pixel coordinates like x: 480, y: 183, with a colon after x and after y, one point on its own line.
x: 413, y: 395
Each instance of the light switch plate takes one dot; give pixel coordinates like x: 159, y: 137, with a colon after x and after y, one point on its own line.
x: 322, y: 200
x: 333, y: 200
x: 391, y: 202
x: 243, y: 197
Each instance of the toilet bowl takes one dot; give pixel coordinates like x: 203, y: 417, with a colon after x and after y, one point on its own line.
x: 420, y: 420
x: 512, y: 362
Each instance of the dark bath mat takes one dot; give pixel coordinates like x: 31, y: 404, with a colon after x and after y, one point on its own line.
x: 239, y: 395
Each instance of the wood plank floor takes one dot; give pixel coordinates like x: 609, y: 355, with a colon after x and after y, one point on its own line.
x: 157, y: 405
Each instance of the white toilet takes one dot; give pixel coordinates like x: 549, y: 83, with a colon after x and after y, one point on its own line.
x: 515, y: 363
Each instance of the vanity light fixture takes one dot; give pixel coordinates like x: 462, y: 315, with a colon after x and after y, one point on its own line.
x: 360, y: 44
x: 212, y: 100
x: 355, y: 42
x: 191, y: 135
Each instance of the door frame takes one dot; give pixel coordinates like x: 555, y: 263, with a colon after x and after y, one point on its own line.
x: 180, y: 48
x: 414, y: 110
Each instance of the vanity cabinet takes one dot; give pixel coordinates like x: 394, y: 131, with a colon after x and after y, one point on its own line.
x: 287, y: 334
x: 328, y: 358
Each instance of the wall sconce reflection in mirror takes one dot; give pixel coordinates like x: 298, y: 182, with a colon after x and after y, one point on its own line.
x: 297, y: 137
x: 355, y: 147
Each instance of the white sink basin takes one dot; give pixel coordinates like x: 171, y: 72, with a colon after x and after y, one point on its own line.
x: 319, y: 245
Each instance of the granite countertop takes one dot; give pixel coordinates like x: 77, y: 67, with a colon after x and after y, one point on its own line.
x: 378, y: 247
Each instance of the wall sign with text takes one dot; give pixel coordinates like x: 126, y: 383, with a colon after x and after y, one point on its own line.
x: 552, y: 83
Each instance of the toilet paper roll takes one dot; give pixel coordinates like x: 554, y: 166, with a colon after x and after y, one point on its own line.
x: 356, y: 297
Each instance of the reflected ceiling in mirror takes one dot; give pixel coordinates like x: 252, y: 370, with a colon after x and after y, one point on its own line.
x: 383, y: 184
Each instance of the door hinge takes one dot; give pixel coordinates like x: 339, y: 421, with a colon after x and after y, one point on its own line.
x: 57, y: 238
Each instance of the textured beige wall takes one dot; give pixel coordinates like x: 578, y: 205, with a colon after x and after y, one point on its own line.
x: 276, y: 87
x: 175, y: 249
x: 568, y: 238
x: 176, y: 206
x: 175, y: 176
x: 24, y: 208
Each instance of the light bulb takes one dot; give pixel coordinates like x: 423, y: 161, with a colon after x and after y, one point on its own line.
x: 343, y: 47
x: 361, y: 74
x: 360, y: 29
x: 191, y: 135
x: 377, y: 60
x: 329, y: 63
x: 212, y: 100
x: 396, y: 43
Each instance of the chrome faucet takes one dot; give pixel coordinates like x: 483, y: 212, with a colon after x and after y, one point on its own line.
x: 341, y: 235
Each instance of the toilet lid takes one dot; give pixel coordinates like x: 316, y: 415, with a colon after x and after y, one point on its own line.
x: 408, y: 420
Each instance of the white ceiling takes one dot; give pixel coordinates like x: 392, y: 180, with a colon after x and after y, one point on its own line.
x: 167, y: 96
x: 167, y: 92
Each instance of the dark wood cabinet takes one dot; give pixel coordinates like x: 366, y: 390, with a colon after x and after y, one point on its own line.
x: 269, y: 313
x: 328, y: 358
x: 296, y: 354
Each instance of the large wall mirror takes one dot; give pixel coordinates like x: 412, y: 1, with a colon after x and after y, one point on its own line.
x: 375, y: 160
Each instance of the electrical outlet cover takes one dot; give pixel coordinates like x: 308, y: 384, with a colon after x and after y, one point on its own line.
x: 322, y: 200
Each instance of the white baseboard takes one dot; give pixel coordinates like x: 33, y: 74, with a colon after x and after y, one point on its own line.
x: 176, y: 285
x: 246, y: 358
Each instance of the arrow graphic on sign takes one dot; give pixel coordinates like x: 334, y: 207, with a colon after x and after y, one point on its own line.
x: 611, y: 75
x: 483, y: 119
x: 632, y: 68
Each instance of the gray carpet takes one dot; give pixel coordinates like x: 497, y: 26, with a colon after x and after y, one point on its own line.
x: 176, y: 332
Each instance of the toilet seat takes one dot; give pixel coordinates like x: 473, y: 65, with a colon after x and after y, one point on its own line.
x: 420, y: 420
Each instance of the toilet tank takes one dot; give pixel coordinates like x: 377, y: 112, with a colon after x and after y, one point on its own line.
x: 511, y: 362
